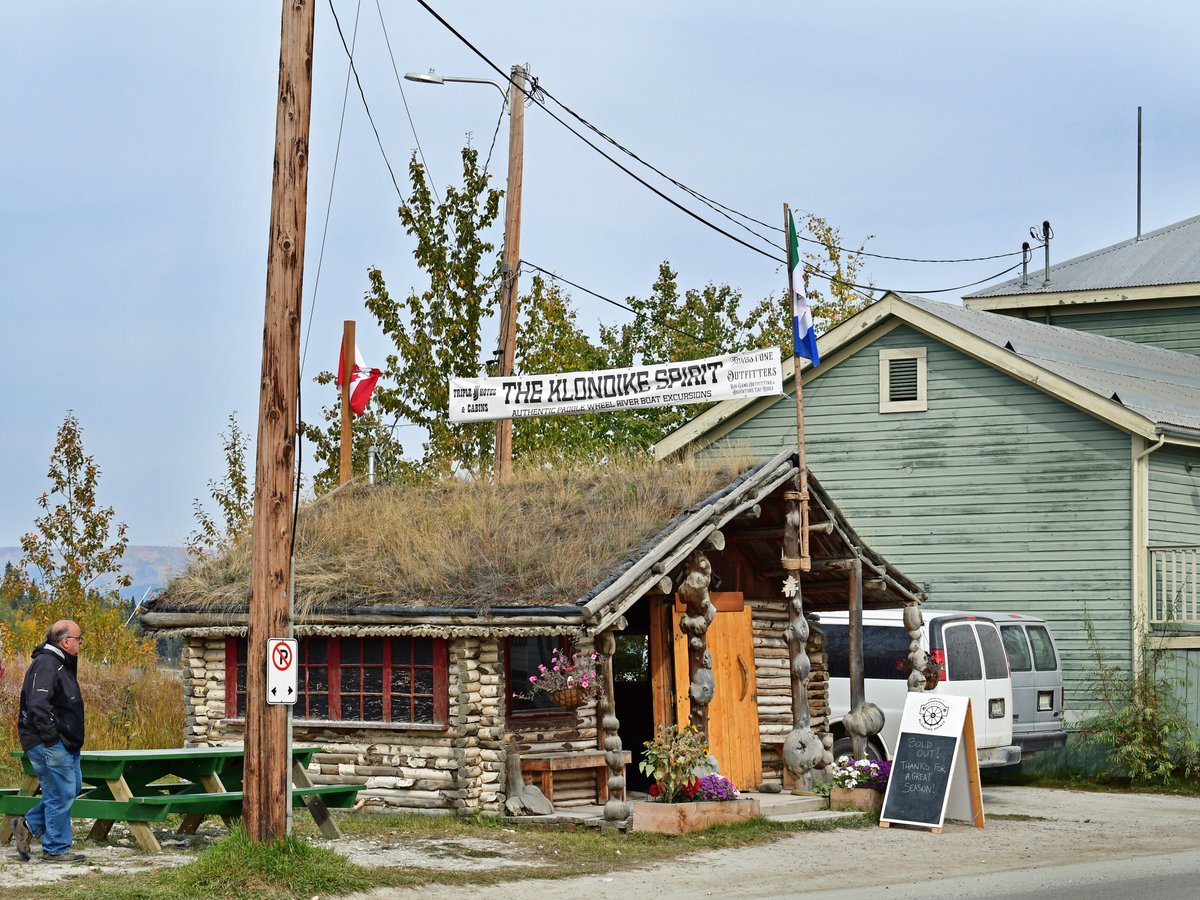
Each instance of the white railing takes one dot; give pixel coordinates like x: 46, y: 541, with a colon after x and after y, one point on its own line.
x: 1174, y: 588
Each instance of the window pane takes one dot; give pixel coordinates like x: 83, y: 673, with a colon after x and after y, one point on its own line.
x: 351, y: 708
x: 318, y: 706
x: 401, y: 710
x: 351, y: 650
x: 525, y: 654
x: 241, y: 650
x: 993, y: 651
x: 1043, y: 649
x: 373, y: 708
x: 373, y: 650
x: 423, y: 681
x: 885, y: 651
x: 423, y: 652
x: 401, y: 681
x: 373, y: 680
x: 351, y: 680
x: 241, y: 705
x: 315, y: 651
x: 401, y: 651
x: 318, y: 679
x: 424, y: 710
x: 962, y: 653
x: 241, y: 679
x: 1016, y: 647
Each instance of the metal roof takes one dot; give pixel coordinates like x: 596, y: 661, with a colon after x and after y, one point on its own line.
x: 1170, y: 255
x: 1161, y: 385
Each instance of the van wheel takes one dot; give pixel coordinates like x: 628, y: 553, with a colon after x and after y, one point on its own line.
x: 845, y: 747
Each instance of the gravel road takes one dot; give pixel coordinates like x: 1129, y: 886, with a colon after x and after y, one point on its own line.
x: 1062, y: 828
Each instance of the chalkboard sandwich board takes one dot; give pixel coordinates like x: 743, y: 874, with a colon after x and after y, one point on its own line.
x: 935, y: 770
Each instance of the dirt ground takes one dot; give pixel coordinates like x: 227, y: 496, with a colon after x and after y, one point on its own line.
x: 1026, y: 828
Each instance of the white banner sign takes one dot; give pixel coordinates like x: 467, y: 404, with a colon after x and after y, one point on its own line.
x: 756, y: 373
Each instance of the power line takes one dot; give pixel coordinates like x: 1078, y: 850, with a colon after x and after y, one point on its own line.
x: 337, y: 152
x: 404, y: 97
x: 619, y: 305
x: 366, y: 106
x: 725, y: 211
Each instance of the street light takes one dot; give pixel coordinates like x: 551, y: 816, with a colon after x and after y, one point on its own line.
x: 511, y: 257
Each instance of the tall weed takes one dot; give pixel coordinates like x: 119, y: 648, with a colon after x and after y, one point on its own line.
x: 1141, y: 720
x: 126, y: 708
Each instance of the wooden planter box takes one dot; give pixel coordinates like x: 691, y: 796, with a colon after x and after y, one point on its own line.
x: 680, y: 818
x: 863, y: 799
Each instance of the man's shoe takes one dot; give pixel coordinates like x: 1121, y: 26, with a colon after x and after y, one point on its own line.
x: 23, y: 835
x: 67, y: 857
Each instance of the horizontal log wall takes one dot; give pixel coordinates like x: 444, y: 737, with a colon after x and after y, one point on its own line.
x: 458, y: 769
x: 769, y: 619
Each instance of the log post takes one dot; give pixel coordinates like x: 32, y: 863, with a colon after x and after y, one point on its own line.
x: 616, y: 809
x: 802, y: 750
x: 865, y: 720
x: 698, y: 613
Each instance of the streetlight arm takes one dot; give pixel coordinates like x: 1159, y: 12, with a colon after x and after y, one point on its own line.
x: 432, y: 77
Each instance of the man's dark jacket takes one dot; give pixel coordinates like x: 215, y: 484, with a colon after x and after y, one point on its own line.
x: 51, y: 705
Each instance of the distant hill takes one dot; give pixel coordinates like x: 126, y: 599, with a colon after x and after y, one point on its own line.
x: 150, y: 567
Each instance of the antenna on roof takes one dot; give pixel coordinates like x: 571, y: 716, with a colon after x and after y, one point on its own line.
x: 1044, y: 237
x: 1139, y: 177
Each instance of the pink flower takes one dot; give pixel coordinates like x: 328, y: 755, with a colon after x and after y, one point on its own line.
x: 533, y: 678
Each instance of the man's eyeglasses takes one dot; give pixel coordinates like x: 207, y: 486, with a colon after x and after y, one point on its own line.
x: 77, y: 639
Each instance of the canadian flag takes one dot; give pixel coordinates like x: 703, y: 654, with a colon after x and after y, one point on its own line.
x: 362, y: 381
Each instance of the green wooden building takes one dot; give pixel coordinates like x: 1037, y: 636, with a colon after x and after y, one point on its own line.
x: 1007, y: 464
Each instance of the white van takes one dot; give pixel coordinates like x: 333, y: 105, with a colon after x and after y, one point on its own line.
x: 969, y: 649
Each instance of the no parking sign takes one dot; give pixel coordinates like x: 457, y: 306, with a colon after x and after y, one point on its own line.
x: 281, y: 670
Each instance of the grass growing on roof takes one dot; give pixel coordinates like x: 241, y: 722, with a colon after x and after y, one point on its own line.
x: 547, y: 537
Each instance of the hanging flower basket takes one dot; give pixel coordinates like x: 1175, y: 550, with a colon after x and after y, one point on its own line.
x: 568, y: 698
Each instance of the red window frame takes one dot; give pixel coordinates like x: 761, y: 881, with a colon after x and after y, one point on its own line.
x: 349, y: 685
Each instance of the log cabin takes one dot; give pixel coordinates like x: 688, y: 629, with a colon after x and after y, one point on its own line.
x: 422, y: 612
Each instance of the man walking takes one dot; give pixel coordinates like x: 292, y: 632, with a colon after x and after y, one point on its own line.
x: 50, y: 726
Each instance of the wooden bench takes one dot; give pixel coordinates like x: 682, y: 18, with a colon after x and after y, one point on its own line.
x: 544, y: 765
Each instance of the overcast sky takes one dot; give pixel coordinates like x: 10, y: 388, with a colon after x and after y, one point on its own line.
x: 135, y: 176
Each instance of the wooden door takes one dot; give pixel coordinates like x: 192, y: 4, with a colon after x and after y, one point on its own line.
x: 733, y: 714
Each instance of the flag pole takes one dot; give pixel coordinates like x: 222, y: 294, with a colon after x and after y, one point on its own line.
x: 349, y: 361
x: 805, y: 557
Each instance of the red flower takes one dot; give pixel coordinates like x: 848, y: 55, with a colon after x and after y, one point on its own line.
x: 689, y: 789
x: 654, y: 790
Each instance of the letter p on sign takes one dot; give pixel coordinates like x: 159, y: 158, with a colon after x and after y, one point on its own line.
x: 281, y: 670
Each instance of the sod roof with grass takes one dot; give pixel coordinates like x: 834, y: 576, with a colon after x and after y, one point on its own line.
x: 576, y: 544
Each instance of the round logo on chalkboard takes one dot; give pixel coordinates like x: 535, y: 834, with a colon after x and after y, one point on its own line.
x: 933, y: 714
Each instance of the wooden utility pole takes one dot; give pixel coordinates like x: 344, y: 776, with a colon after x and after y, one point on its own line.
x: 268, y: 768
x: 511, y: 260
x: 349, y: 361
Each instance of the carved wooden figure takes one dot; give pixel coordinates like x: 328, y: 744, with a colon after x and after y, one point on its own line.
x: 616, y: 809
x: 698, y: 613
x: 802, y: 749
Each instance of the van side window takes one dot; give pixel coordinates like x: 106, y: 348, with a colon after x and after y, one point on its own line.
x: 962, y: 653
x: 994, y: 661
x: 885, y: 651
x: 1017, y: 648
x: 1043, y: 649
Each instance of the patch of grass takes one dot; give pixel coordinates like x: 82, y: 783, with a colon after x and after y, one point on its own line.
x: 1018, y: 817
x: 236, y: 868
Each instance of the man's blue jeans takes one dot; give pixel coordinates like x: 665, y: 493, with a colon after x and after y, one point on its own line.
x: 58, y: 769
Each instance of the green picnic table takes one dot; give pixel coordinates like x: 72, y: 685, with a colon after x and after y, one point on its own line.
x: 143, y: 786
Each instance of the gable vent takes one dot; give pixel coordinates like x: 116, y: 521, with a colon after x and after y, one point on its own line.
x: 902, y: 380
